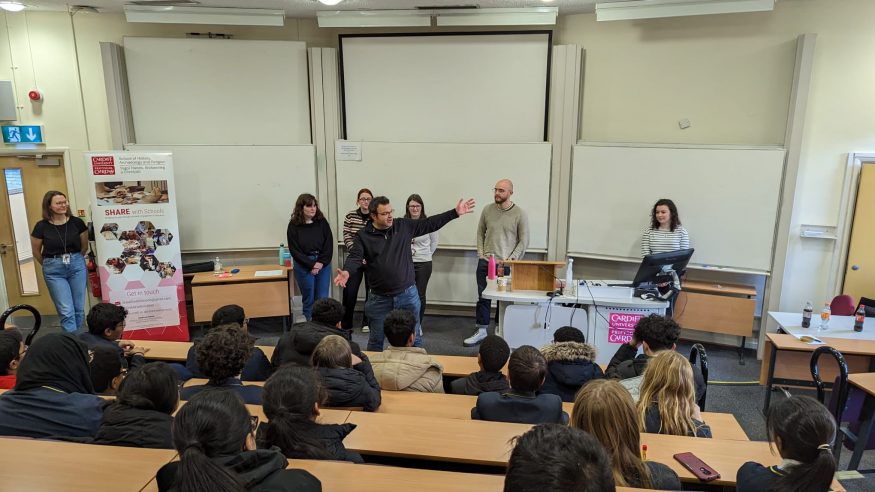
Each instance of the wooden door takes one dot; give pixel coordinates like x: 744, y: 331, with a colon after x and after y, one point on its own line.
x: 24, y: 183
x: 860, y: 272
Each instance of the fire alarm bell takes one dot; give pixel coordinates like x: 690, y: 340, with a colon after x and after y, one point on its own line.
x: 35, y: 95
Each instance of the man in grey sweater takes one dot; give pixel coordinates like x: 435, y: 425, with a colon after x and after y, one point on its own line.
x: 504, y: 232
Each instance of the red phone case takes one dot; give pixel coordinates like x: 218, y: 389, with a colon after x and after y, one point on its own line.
x: 698, y: 467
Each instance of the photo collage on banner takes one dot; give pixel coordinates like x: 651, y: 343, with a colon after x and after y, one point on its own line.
x: 137, y: 236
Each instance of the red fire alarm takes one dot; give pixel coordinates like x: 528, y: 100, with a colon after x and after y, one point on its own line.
x: 35, y: 95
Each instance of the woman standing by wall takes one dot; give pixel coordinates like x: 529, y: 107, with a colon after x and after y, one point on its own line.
x: 423, y: 248
x: 310, y: 242
x: 665, y: 232
x: 59, y: 244
x: 352, y: 223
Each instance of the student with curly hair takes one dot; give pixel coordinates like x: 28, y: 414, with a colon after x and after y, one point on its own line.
x: 491, y: 357
x: 666, y: 402
x: 221, y: 355
x: 257, y: 368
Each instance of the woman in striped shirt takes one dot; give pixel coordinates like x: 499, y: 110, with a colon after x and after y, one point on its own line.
x: 355, y: 221
x: 665, y: 232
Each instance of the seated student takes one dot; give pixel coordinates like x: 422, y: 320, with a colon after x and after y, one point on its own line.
x: 605, y: 409
x: 215, y: 437
x: 667, y: 404
x: 557, y: 457
x: 297, y: 345
x: 803, y: 430
x: 522, y: 404
x: 257, y: 368
x: 221, y: 355
x: 348, y: 380
x: 12, y: 349
x: 570, y: 363
x: 107, y: 371
x: 142, y: 414
x: 106, y: 324
x: 403, y: 367
x: 292, y: 397
x: 53, y: 395
x: 654, y: 334
x: 491, y: 358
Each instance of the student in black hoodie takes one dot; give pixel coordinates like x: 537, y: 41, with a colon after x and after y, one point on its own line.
x: 298, y: 344
x: 292, y: 397
x: 215, y: 437
x: 257, y: 367
x: 348, y: 379
x: 570, y: 363
x: 142, y: 415
x: 492, y: 356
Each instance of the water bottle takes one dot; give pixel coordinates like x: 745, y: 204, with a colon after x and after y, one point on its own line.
x: 570, y: 288
x: 217, y: 265
x: 859, y: 318
x: 490, y: 269
x: 824, y: 317
x: 282, y: 254
x: 806, y: 315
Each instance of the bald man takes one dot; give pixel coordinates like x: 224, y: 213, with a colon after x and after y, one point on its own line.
x: 504, y: 232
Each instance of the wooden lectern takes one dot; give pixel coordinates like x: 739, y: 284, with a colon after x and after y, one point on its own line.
x: 533, y: 275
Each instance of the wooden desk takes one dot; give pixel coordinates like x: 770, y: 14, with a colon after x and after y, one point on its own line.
x: 326, y: 415
x: 50, y: 465
x: 866, y: 383
x: 793, y: 367
x: 178, y: 351
x: 717, y: 308
x: 723, y: 425
x: 199, y: 381
x: 259, y: 296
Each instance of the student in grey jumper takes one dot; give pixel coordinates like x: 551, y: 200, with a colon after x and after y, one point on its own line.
x: 504, y: 232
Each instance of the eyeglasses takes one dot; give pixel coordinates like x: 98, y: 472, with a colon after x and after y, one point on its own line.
x: 253, y: 423
x: 386, y: 214
x: 414, y: 207
x: 364, y: 199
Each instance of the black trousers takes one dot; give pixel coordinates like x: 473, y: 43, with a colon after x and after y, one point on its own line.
x: 350, y: 296
x: 421, y: 273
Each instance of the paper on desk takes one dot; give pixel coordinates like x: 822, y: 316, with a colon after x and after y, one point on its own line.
x: 809, y: 339
x: 268, y: 273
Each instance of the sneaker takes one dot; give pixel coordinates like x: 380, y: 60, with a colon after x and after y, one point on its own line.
x: 476, y: 338
x: 366, y: 329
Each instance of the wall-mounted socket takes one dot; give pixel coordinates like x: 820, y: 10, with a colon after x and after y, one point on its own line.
x: 684, y: 124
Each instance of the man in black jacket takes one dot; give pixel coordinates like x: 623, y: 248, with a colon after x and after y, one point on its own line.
x: 298, y: 344
x: 384, y: 244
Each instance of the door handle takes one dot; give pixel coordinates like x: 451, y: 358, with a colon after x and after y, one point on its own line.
x: 4, y: 247
x: 855, y: 267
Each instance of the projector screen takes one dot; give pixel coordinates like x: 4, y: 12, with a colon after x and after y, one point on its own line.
x: 439, y: 87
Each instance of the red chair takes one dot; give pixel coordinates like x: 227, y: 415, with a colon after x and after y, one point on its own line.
x: 843, y: 305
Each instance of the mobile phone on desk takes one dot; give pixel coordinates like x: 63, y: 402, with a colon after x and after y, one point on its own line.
x: 697, y: 467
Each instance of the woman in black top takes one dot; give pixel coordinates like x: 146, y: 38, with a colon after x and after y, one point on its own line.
x: 59, y: 243
x: 311, y: 244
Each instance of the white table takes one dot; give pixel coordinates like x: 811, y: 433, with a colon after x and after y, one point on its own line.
x: 839, y: 326
x: 531, y: 318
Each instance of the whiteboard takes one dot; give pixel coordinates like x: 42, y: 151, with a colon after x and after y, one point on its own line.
x: 446, y: 88
x: 218, y: 91
x: 727, y: 199
x: 237, y: 197
x: 442, y: 173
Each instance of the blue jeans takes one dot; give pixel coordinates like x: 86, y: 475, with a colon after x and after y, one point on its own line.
x: 66, y: 285
x: 378, y: 306
x: 312, y: 287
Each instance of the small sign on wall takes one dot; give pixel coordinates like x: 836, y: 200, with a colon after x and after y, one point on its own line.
x: 347, y: 151
x: 16, y: 134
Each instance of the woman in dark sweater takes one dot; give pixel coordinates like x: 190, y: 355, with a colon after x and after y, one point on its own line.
x: 310, y: 242
x: 348, y: 379
x: 142, y: 415
x: 605, y: 409
x: 292, y: 397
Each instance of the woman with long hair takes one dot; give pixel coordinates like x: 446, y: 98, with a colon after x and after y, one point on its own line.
x: 292, y: 397
x: 354, y: 221
x: 423, y: 248
x: 667, y: 398
x: 311, y: 244
x: 59, y: 242
x: 665, y: 232
x: 215, y: 437
x: 604, y: 408
x: 803, y: 430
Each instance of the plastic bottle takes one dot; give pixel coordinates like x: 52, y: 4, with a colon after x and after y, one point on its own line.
x: 217, y: 265
x: 807, y: 311
x: 824, y: 317
x: 570, y: 287
x: 859, y: 318
x: 490, y: 269
x: 282, y: 255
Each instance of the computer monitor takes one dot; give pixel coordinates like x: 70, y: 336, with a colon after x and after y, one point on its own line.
x: 657, y: 268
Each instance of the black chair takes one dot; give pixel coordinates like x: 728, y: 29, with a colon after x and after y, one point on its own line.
x: 839, y: 397
x: 698, y: 352
x: 37, y: 319
x: 868, y: 305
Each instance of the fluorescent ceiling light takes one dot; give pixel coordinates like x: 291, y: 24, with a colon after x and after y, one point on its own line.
x: 374, y: 18
x: 534, y: 16
x: 653, y: 9
x: 11, y: 6
x: 330, y: 2
x: 204, y: 15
